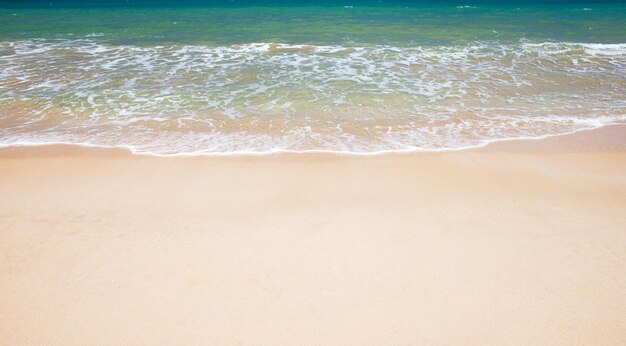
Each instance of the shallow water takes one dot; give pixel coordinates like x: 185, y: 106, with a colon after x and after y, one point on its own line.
x: 202, y: 79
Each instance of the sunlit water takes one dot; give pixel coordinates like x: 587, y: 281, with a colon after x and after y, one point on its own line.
x: 199, y: 79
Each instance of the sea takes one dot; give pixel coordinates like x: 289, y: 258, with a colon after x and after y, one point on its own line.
x: 227, y: 77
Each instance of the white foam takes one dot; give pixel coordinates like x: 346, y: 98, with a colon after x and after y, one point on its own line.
x: 278, y: 97
x: 605, y: 49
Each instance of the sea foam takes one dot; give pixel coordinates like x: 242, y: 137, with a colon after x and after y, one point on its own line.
x: 269, y: 97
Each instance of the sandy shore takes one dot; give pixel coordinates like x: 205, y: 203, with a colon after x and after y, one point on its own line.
x: 516, y: 243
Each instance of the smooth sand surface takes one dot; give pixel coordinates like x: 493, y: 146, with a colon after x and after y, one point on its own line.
x: 517, y: 243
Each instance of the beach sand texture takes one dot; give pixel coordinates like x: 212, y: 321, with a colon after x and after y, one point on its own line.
x: 517, y: 243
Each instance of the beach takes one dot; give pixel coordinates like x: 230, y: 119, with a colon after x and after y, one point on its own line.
x: 519, y: 242
x: 288, y: 172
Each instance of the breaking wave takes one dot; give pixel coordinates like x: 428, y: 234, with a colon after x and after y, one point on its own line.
x: 268, y: 97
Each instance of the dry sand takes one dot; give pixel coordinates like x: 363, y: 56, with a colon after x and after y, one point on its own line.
x: 517, y: 243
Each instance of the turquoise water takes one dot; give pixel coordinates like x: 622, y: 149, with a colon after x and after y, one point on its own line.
x: 204, y: 77
x: 314, y: 22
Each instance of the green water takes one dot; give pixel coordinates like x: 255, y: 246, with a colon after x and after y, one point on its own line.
x: 209, y: 77
x: 313, y: 22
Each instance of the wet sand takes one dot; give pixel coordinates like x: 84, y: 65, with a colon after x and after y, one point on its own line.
x: 517, y: 243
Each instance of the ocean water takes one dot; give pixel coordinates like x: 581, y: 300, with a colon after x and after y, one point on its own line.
x: 224, y: 77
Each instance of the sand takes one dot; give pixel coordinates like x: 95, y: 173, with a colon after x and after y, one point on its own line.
x: 518, y: 243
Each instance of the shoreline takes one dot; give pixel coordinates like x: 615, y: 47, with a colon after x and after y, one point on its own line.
x: 538, y: 143
x: 514, y: 243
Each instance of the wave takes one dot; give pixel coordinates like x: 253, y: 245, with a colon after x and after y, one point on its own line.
x: 255, y: 152
x: 274, y: 97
